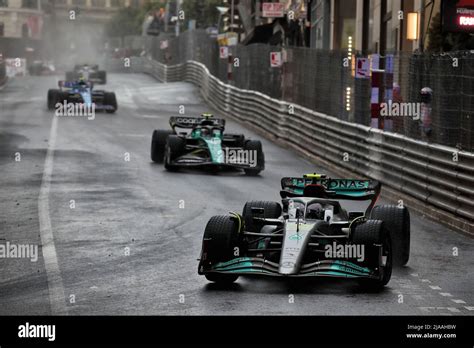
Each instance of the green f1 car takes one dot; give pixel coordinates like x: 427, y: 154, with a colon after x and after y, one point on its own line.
x: 323, y: 228
x: 203, y: 143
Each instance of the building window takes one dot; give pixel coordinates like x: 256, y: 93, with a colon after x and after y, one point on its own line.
x: 98, y: 3
x: 387, y: 40
x: 345, y: 21
x: 3, y: 3
x: 2, y: 28
x: 33, y: 4
x: 81, y: 3
x: 25, y: 31
x: 118, y: 3
x: 135, y: 3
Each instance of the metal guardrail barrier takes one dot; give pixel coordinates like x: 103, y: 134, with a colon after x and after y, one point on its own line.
x: 3, y: 72
x: 317, y: 80
x: 435, y: 174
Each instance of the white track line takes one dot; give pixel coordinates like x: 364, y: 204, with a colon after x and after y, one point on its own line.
x: 458, y: 301
x: 57, y: 298
x: 445, y: 294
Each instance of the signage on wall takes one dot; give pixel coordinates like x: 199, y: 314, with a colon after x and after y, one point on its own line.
x: 223, y: 52
x: 458, y: 16
x: 273, y: 9
x: 164, y: 44
x: 362, y: 68
x: 276, y: 59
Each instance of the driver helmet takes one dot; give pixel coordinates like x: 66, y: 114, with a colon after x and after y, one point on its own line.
x: 315, y: 211
x: 204, y: 131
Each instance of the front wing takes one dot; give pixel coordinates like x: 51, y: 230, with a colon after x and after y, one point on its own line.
x: 99, y: 105
x: 259, y: 266
x: 195, y: 161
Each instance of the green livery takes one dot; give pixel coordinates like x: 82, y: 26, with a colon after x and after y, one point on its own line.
x: 203, y: 142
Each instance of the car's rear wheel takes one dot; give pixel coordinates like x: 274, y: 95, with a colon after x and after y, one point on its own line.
x: 255, y: 145
x: 220, y: 244
x: 174, y: 148
x: 53, y: 98
x: 371, y: 234
x: 102, y: 75
x: 272, y: 210
x: 111, y: 100
x: 397, y: 223
x: 239, y: 140
x: 158, y: 144
x: 71, y: 76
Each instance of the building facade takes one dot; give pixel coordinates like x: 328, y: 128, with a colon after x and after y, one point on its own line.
x: 369, y: 26
x: 21, y: 19
x: 90, y: 14
x: 27, y: 18
x: 372, y: 26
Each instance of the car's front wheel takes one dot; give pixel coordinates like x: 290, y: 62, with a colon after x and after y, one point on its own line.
x: 111, y: 100
x: 158, y: 144
x: 53, y: 98
x: 397, y: 223
x: 220, y: 244
x: 372, y: 235
x: 175, y: 147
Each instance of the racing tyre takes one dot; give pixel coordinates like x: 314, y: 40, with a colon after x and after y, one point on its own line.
x: 255, y: 145
x: 174, y: 148
x: 239, y: 139
x: 70, y: 76
x: 102, y: 76
x: 369, y: 234
x: 272, y: 211
x: 110, y: 99
x: 221, y: 236
x: 54, y: 96
x: 158, y: 143
x: 397, y: 222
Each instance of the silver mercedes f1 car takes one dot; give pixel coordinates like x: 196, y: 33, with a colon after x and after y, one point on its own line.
x: 323, y: 228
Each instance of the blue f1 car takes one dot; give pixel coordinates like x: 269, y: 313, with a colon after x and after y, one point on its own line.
x: 81, y: 92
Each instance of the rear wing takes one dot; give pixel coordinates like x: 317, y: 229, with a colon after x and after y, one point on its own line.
x: 78, y: 67
x: 190, y: 122
x: 321, y: 187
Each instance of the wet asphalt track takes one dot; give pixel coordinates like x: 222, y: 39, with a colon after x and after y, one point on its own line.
x: 128, y: 248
